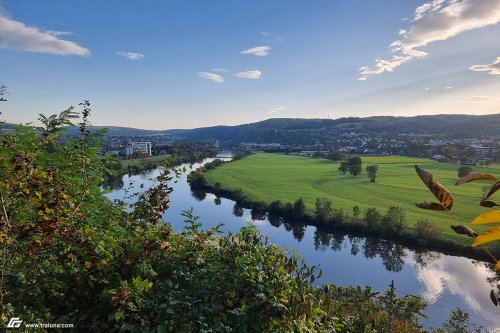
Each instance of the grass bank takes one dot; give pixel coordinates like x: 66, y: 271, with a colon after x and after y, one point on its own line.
x: 268, y: 177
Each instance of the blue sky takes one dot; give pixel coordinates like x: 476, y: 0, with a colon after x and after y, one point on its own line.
x: 184, y: 64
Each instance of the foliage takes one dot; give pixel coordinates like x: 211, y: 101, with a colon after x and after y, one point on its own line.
x: 426, y: 229
x: 55, y: 123
x: 464, y: 170
x: 491, y: 217
x: 335, y: 156
x: 356, y: 212
x: 459, y: 322
x: 355, y: 166
x: 324, y: 210
x: 394, y: 221
x: 371, y: 170
x: 344, y: 167
x: 299, y: 208
x: 373, y: 219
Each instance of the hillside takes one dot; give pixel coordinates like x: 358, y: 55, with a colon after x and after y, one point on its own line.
x: 309, y: 131
x: 286, y: 130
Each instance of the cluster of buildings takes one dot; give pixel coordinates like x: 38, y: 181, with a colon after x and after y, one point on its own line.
x: 138, y: 148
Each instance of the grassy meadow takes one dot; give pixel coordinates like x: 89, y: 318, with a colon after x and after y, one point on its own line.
x: 267, y: 177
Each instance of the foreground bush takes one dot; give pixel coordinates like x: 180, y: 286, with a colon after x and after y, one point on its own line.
x: 69, y: 255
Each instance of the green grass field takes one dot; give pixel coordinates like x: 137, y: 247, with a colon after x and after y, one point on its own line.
x: 268, y: 177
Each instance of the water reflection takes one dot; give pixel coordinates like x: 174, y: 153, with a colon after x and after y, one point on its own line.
x: 459, y: 276
x: 237, y: 210
x: 199, y: 195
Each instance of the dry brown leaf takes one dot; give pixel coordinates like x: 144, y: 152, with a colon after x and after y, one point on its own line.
x: 430, y: 205
x: 474, y: 177
x: 490, y: 191
x: 463, y: 230
x: 439, y: 191
x: 488, y: 204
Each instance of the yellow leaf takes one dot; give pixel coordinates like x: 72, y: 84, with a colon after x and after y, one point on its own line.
x: 497, y: 266
x: 486, y: 218
x: 490, y: 235
x: 88, y: 264
x: 34, y: 201
x: 72, y: 257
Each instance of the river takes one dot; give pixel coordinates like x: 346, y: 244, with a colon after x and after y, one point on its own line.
x: 444, y: 281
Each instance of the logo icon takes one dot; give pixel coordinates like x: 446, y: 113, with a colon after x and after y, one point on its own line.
x: 14, y: 322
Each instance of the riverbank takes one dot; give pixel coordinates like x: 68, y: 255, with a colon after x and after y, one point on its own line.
x: 280, y: 180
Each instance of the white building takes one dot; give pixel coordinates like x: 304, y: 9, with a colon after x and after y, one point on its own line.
x: 140, y: 147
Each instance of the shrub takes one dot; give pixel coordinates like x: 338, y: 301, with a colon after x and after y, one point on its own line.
x: 299, y: 209
x: 394, y: 221
x: 425, y: 229
x: 464, y: 170
x: 275, y: 208
x: 372, y: 219
x: 324, y: 210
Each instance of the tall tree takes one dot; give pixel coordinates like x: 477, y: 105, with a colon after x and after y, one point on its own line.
x: 372, y: 172
x: 355, y: 166
x: 344, y: 166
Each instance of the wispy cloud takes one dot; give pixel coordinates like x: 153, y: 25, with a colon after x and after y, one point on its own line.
x: 131, y: 55
x: 211, y: 76
x: 17, y: 35
x: 448, y: 88
x: 478, y: 99
x: 219, y: 70
x: 278, y: 109
x: 259, y: 51
x: 436, y: 20
x: 58, y: 33
x: 493, y: 69
x: 270, y: 38
x: 249, y: 74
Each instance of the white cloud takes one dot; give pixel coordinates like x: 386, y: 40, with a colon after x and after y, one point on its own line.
x: 249, y: 74
x: 478, y: 99
x: 17, y: 35
x: 493, y: 68
x: 427, y: 89
x: 448, y: 88
x: 278, y: 109
x: 260, y: 51
x: 434, y: 21
x: 131, y: 55
x: 211, y: 76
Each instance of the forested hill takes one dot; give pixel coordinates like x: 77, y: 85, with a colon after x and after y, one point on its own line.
x: 292, y: 130
x: 285, y: 130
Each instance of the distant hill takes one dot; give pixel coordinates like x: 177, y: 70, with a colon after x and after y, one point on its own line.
x: 287, y: 130
x: 309, y: 131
